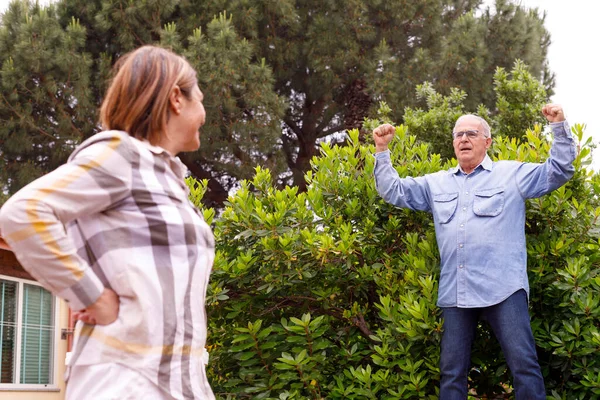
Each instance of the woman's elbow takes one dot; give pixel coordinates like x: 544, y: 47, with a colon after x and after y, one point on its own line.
x: 15, y: 215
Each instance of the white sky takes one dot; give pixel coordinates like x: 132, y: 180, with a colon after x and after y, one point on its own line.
x: 574, y: 30
x: 573, y: 53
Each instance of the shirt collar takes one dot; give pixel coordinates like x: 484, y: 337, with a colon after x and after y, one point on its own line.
x: 154, y: 149
x: 177, y: 165
x: 485, y: 164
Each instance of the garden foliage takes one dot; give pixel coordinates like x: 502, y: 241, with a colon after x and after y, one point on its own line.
x: 331, y: 293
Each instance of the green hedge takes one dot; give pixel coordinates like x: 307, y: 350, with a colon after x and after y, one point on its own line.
x: 330, y: 294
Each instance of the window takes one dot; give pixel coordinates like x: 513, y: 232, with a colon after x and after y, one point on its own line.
x: 27, y: 334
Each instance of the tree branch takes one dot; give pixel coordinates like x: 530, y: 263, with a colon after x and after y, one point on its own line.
x: 293, y: 126
x: 331, y: 130
x: 361, y: 324
x: 40, y: 130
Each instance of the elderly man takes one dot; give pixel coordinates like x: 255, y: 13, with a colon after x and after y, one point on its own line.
x: 478, y: 211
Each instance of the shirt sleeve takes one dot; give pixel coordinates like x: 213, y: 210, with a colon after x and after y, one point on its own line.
x: 409, y: 192
x: 535, y: 180
x: 32, y: 221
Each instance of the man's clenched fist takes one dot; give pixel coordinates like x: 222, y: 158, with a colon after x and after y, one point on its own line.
x: 383, y: 135
x: 553, y: 112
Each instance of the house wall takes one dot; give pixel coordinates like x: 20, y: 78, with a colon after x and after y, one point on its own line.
x: 11, y: 267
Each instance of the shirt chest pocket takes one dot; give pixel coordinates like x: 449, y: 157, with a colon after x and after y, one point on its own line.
x: 488, y: 202
x: 444, y: 206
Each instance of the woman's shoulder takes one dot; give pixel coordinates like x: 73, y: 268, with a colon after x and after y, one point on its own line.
x: 104, y: 142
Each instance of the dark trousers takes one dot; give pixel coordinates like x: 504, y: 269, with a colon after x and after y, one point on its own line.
x: 510, y: 323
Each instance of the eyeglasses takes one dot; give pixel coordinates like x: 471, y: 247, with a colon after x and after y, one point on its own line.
x: 470, y: 134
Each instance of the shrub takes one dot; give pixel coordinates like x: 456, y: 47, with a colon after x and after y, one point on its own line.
x: 331, y: 293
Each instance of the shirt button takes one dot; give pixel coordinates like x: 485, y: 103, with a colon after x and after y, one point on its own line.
x: 460, y: 266
x: 461, y: 245
x: 466, y: 192
x: 464, y: 208
x: 462, y: 225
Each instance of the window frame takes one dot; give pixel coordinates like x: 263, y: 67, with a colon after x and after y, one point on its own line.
x: 53, y: 385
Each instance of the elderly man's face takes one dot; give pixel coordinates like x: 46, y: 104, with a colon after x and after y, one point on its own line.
x: 470, y: 148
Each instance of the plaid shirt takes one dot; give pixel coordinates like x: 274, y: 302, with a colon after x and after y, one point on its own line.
x: 117, y: 215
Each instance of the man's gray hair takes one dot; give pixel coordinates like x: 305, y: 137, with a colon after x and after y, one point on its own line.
x: 487, y: 132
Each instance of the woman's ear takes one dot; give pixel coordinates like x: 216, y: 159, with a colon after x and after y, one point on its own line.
x: 175, y: 98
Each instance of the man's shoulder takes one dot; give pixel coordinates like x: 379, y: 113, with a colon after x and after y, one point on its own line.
x: 506, y: 164
x: 441, y: 174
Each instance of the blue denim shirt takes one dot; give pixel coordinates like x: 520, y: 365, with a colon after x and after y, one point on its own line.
x: 479, y: 218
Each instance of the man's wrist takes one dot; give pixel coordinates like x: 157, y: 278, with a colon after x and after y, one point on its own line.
x: 381, y: 149
x: 561, y: 128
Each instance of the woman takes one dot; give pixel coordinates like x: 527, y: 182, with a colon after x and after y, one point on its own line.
x: 113, y: 233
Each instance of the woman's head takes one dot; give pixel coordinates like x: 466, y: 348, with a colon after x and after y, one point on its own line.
x: 138, y: 99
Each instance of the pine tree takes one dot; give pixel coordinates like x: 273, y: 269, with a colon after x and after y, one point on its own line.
x: 45, y: 108
x: 279, y: 76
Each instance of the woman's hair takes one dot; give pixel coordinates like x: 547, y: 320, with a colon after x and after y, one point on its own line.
x: 137, y: 100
